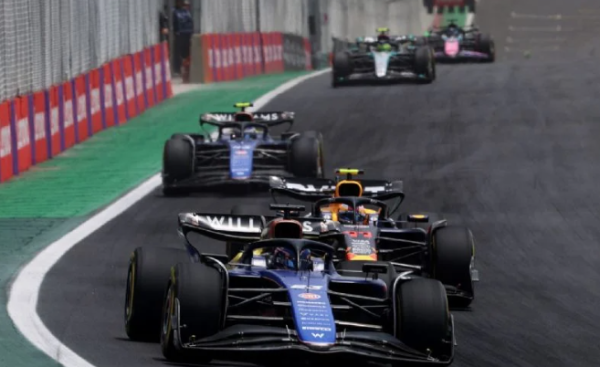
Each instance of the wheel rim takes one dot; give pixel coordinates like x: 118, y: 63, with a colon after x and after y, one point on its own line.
x: 168, y: 313
x: 130, y: 292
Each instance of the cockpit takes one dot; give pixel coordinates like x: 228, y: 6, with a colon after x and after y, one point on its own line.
x: 235, y: 131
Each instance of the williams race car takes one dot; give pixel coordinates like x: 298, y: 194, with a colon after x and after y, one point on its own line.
x: 383, y: 58
x: 242, y: 152
x: 453, y: 43
x: 351, y: 216
x: 284, y: 299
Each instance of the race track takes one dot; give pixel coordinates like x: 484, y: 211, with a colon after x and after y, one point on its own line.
x: 511, y: 148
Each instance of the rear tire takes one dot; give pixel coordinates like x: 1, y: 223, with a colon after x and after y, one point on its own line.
x: 422, y: 316
x: 147, y: 278
x: 424, y: 63
x: 453, y: 252
x: 199, y: 290
x: 488, y: 46
x: 306, y: 157
x: 178, y: 164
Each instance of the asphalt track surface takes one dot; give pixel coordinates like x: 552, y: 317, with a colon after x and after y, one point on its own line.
x: 511, y: 148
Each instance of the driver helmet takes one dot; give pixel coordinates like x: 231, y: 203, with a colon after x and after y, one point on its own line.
x: 284, y: 259
x: 347, y: 215
x: 383, y: 36
x: 386, y: 47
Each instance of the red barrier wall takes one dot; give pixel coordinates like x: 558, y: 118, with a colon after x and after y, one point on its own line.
x: 37, y: 127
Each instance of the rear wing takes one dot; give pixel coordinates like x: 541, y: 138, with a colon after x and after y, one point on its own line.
x: 239, y: 228
x: 222, y: 227
x: 313, y: 189
x: 267, y: 118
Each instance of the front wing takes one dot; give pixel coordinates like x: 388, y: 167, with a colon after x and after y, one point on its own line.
x: 251, y: 341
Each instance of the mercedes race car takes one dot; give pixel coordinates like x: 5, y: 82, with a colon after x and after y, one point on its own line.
x: 351, y: 215
x: 283, y: 300
x: 383, y: 58
x: 453, y: 43
x: 241, y: 151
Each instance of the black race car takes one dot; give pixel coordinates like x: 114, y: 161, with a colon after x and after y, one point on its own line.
x: 240, y: 151
x: 383, y: 59
x: 453, y: 43
x: 282, y: 300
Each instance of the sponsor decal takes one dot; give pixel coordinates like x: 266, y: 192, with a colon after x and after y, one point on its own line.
x: 316, y: 328
x: 5, y: 142
x: 231, y: 223
x: 308, y: 287
x: 318, y: 335
x: 22, y: 133
x: 81, y: 108
x: 40, y: 126
x: 54, y: 127
x: 374, y: 189
x: 108, y: 102
x: 309, y: 187
x: 309, y: 296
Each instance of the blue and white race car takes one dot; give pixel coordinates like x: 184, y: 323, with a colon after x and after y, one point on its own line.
x: 283, y: 300
x: 241, y: 150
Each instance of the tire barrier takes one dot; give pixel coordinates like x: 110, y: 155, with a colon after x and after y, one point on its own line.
x: 40, y: 126
x: 234, y: 56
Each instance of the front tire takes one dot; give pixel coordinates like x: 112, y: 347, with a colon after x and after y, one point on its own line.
x: 453, y: 252
x: 147, y: 278
x: 424, y: 63
x: 194, y: 298
x: 422, y: 315
x: 488, y: 46
x: 306, y: 156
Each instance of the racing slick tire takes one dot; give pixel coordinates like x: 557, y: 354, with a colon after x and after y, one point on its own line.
x: 178, y: 164
x: 425, y: 63
x: 488, y: 46
x: 147, y: 277
x: 341, y: 68
x: 306, y: 156
x: 195, y: 297
x: 453, y: 253
x: 422, y: 314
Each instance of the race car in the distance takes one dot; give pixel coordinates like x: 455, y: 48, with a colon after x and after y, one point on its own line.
x: 241, y: 151
x: 453, y: 43
x: 462, y: 5
x: 283, y: 299
x: 383, y: 59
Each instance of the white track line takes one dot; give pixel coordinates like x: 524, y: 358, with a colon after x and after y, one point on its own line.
x: 24, y: 291
x: 511, y: 40
x: 558, y: 28
x: 532, y: 50
x: 515, y: 15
